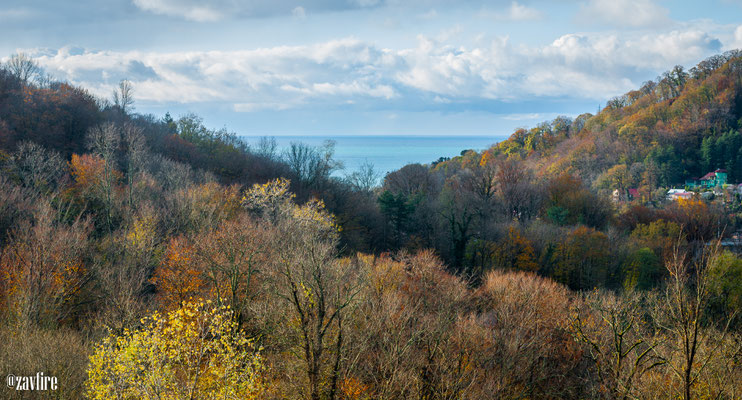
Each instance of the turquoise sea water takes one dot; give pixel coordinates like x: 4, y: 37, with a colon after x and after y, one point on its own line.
x: 388, y: 153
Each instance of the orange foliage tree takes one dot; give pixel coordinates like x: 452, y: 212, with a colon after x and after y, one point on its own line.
x: 86, y: 170
x: 178, y: 278
x: 42, y: 268
x: 516, y: 252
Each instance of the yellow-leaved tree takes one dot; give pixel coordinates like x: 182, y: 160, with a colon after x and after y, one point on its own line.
x: 194, y: 352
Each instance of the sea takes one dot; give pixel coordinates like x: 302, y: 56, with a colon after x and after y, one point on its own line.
x: 387, y: 153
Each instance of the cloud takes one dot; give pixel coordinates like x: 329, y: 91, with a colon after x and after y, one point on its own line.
x: 261, y: 106
x: 350, y: 71
x: 516, y: 12
x: 190, y: 10
x: 522, y: 117
x: 651, y: 51
x: 737, y: 38
x: 215, y: 10
x: 519, y: 12
x: 625, y: 13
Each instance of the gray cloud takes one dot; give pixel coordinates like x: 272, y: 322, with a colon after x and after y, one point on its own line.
x: 138, y: 71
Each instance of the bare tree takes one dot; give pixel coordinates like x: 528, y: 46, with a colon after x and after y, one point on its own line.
x: 36, y: 167
x: 518, y: 195
x: 365, y: 178
x: 123, y: 96
x: 267, y: 147
x: 103, y: 140
x: 23, y: 67
x: 694, y: 340
x: 312, y: 165
x: 318, y: 291
x: 135, y: 146
x: 231, y: 257
x: 621, y: 349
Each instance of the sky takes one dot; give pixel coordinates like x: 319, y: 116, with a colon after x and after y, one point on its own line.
x: 367, y: 67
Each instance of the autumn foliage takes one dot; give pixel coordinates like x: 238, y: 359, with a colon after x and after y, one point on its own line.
x: 149, y: 257
x: 192, y: 352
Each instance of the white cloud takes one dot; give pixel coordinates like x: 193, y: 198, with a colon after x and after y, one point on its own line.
x: 738, y: 37
x: 621, y: 13
x: 516, y: 12
x: 351, y: 71
x: 522, y: 117
x: 255, y: 107
x: 519, y: 12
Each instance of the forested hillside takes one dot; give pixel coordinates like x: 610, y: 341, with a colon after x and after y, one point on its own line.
x: 150, y: 257
x: 683, y: 124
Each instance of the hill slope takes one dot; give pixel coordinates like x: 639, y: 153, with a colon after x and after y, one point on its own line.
x: 681, y: 125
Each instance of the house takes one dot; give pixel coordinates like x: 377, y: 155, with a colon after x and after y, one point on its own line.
x: 675, y: 194
x: 708, y: 181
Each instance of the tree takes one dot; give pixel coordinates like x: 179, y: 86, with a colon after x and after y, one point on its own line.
x: 36, y: 167
x: 365, y: 178
x: 660, y: 236
x: 267, y: 147
x: 178, y: 279
x: 522, y: 349
x: 517, y: 194
x: 620, y: 346
x: 103, y: 141
x: 582, y: 259
x: 23, y: 67
x: 693, y: 341
x: 700, y: 221
x: 482, y: 183
x: 135, y: 151
x: 123, y: 96
x: 312, y: 165
x: 318, y: 291
x: 86, y: 170
x: 515, y: 252
x: 231, y: 257
x: 616, y: 177
x: 43, y: 269
x: 643, y: 271
x: 576, y: 204
x: 272, y: 201
x: 194, y: 352
x: 123, y: 264
x: 397, y: 209
x: 408, y: 344
x: 725, y: 287
x: 457, y: 210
